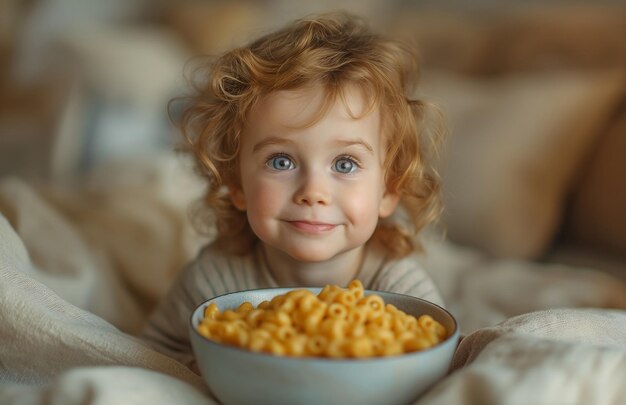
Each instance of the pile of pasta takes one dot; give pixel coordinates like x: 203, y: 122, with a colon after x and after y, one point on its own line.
x: 337, y: 322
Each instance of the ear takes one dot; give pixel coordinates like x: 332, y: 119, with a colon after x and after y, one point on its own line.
x: 238, y: 198
x: 388, y: 204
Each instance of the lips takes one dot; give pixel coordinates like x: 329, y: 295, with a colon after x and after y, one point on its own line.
x: 312, y: 227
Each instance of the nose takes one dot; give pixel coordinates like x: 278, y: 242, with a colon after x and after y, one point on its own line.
x: 313, y: 190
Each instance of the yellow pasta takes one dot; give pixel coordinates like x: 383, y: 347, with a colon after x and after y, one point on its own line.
x: 245, y: 308
x: 337, y: 323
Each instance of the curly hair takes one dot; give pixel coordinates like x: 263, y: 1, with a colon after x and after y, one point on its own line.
x: 334, y: 50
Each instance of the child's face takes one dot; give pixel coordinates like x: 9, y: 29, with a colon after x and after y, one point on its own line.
x: 317, y: 192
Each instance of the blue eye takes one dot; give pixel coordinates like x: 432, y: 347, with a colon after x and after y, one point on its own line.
x: 280, y: 162
x: 345, y: 165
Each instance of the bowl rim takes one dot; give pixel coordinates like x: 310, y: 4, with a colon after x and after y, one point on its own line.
x: 455, y: 334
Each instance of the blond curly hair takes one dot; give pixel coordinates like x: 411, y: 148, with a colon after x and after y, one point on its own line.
x: 334, y: 50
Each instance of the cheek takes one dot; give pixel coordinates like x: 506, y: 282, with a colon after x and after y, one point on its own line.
x: 362, y: 206
x: 264, y: 199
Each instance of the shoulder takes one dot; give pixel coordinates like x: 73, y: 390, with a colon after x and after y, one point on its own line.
x: 406, y: 275
x: 214, y: 272
x: 395, y: 272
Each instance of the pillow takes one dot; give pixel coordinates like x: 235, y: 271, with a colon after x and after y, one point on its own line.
x: 515, y: 143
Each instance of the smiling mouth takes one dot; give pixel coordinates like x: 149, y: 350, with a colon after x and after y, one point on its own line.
x: 312, y: 227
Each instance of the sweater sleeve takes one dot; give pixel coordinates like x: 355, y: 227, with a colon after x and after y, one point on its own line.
x: 167, y: 330
x: 212, y: 273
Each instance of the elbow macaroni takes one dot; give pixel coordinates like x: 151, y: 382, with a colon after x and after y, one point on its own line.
x: 338, y: 322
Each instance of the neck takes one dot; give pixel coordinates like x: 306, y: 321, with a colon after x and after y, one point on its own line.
x: 288, y: 272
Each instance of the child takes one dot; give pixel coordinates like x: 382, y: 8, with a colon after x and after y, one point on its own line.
x: 308, y: 144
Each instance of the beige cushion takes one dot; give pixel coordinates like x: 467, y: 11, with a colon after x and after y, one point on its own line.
x: 538, y: 36
x: 598, y: 208
x: 515, y: 144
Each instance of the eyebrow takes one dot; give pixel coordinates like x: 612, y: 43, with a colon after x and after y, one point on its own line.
x: 357, y: 142
x: 281, y: 141
x: 270, y: 141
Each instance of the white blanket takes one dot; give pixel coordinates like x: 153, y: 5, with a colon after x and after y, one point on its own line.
x: 78, y: 277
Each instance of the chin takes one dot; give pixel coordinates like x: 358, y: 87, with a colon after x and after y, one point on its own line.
x: 309, y: 255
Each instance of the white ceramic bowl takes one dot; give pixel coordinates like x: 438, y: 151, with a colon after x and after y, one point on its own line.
x: 238, y: 376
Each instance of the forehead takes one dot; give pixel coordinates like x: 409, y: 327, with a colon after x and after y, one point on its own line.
x: 306, y: 106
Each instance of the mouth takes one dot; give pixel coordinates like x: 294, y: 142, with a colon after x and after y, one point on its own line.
x: 312, y: 226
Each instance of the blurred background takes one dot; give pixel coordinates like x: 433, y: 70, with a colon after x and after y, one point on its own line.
x: 534, y: 92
